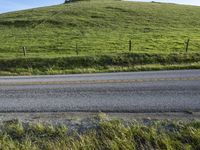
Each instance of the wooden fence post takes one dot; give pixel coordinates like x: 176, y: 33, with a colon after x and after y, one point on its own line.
x: 24, y: 51
x: 187, y: 45
x: 77, y: 52
x: 130, y: 45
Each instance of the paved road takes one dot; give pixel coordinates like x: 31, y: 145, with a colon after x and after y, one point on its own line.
x: 163, y: 91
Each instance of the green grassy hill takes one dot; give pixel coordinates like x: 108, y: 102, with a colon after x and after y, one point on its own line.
x: 101, y: 30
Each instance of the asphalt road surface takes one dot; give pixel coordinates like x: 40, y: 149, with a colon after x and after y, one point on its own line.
x: 162, y: 91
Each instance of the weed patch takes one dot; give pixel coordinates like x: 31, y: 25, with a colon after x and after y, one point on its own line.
x: 106, y: 134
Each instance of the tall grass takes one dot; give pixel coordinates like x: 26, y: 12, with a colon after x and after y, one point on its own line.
x: 100, y: 63
x: 105, y: 134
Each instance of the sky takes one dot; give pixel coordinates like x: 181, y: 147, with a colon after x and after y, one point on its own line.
x: 14, y: 5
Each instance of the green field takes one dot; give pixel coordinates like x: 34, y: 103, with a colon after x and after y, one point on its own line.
x: 88, y: 30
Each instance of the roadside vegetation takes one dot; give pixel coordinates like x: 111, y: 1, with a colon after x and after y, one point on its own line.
x: 103, y: 63
x: 104, y: 134
x: 94, y: 35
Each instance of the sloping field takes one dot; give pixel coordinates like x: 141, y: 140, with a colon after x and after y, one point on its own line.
x: 93, y: 29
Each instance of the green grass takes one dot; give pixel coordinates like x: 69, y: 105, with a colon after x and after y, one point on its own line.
x: 106, y: 134
x: 99, y: 28
x: 104, y: 63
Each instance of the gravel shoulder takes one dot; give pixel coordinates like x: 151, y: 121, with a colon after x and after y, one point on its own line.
x: 81, y: 118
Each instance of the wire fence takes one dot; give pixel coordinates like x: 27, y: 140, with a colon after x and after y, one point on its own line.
x: 45, y: 46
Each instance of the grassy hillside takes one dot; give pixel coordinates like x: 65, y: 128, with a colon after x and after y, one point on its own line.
x: 95, y: 28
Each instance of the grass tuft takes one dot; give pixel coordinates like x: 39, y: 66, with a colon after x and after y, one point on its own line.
x: 107, y: 134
